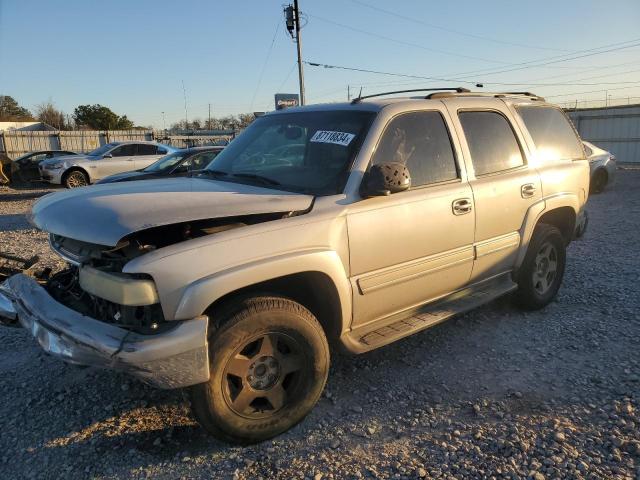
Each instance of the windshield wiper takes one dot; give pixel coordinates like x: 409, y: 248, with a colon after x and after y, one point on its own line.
x: 255, y: 176
x: 213, y: 173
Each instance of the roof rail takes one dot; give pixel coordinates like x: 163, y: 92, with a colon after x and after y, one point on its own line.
x: 485, y: 94
x: 454, y: 89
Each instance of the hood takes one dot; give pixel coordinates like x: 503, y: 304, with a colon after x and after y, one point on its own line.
x: 103, y: 214
x: 62, y: 158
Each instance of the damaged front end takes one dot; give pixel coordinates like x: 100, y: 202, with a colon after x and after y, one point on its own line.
x: 177, y: 357
x: 94, y: 312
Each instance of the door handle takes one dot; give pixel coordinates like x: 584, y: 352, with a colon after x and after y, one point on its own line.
x: 527, y: 190
x: 462, y: 206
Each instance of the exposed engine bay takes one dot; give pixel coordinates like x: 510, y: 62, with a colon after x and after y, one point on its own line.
x: 66, y: 288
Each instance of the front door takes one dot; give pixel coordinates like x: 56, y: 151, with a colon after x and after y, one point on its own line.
x: 504, y: 185
x: 414, y: 246
x: 121, y: 160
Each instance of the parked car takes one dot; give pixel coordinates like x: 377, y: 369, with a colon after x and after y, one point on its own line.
x: 25, y: 168
x: 603, y: 167
x: 115, y: 157
x: 177, y: 164
x: 396, y: 215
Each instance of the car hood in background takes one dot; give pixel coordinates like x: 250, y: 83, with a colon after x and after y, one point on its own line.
x: 104, y: 214
x: 119, y: 177
x: 70, y: 158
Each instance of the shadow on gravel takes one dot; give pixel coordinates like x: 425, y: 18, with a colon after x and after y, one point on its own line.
x: 13, y: 223
x: 18, y: 197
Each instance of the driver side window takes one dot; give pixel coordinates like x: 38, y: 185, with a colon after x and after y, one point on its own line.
x: 419, y: 140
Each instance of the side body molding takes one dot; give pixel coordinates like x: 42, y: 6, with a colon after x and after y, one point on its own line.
x: 202, y: 293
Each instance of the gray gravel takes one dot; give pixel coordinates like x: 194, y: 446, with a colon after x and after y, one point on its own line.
x: 496, y: 393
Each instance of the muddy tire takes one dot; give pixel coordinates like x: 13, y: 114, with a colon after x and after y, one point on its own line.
x: 75, y: 179
x: 540, y: 275
x: 269, y: 362
x: 599, y: 181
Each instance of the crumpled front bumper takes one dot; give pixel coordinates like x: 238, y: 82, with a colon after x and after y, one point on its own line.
x: 171, y: 359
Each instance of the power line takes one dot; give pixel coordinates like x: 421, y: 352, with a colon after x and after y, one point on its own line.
x: 293, y: 67
x: 402, y: 42
x: 364, y: 70
x: 590, y: 91
x: 558, y: 58
x: 451, y: 30
x: 264, y: 65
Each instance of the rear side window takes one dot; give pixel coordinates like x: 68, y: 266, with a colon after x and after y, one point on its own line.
x: 419, y: 140
x: 145, y: 149
x: 552, y: 133
x: 491, y: 140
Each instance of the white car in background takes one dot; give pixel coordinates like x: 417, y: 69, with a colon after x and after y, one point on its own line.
x: 603, y: 167
x: 115, y: 157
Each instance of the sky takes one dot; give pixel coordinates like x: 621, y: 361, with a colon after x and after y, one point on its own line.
x: 134, y: 56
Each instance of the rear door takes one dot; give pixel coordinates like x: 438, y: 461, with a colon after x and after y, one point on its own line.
x: 147, y: 153
x: 504, y: 185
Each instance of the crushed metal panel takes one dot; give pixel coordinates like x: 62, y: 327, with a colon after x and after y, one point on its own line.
x: 104, y: 214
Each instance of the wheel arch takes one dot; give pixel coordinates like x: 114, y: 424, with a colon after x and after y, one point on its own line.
x: 74, y: 168
x: 559, y: 210
x: 316, y: 280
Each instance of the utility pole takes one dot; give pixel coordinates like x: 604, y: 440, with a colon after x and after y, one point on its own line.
x: 186, y: 116
x: 292, y: 17
x: 210, y: 118
x: 348, y: 93
x: 164, y: 124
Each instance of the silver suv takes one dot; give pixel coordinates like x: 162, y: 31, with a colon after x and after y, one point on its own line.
x: 386, y: 217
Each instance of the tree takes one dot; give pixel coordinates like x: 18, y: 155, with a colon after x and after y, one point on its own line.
x: 10, y: 111
x: 48, y: 113
x: 98, y: 117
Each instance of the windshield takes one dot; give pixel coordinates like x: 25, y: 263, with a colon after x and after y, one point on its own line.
x: 307, y: 152
x: 166, y: 163
x: 101, y: 150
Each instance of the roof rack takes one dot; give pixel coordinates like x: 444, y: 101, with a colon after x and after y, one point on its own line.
x: 454, y: 89
x: 533, y: 96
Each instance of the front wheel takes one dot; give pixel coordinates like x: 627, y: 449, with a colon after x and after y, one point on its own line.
x: 541, y: 273
x: 75, y: 179
x: 269, y: 362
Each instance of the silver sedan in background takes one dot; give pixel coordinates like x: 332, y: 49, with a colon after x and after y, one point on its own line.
x: 603, y: 167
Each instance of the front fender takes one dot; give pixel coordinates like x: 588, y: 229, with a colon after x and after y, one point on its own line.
x: 198, y: 296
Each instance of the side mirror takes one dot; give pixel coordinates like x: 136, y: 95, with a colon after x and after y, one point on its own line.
x: 384, y: 179
x: 107, y: 155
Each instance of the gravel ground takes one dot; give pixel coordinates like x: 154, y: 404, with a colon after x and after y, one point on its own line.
x: 496, y: 393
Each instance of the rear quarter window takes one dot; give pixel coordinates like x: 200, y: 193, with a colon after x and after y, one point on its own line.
x: 553, y: 135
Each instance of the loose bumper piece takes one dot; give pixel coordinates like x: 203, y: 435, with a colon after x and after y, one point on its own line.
x: 172, y: 359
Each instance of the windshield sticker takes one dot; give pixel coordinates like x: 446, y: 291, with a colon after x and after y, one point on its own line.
x: 327, y: 136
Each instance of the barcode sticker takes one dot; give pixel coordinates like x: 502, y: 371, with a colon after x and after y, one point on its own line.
x: 327, y: 136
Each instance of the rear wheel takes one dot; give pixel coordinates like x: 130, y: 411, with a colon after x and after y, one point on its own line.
x: 599, y: 181
x: 75, y: 179
x: 269, y: 363
x: 541, y: 273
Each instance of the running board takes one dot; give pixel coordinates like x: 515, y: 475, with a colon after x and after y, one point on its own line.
x: 401, y: 325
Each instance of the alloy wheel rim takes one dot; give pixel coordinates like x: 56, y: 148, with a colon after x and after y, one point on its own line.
x: 263, y: 376
x: 545, y: 268
x: 76, y: 181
